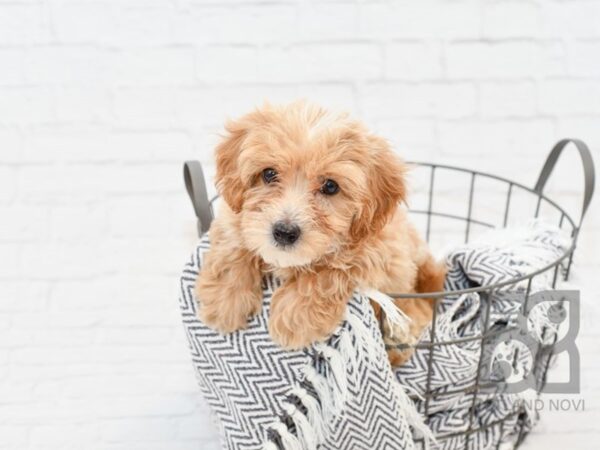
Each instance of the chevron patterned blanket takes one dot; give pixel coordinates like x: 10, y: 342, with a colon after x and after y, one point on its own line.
x: 447, y: 398
x: 342, y: 394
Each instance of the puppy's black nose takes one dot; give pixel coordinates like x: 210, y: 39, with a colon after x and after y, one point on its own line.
x: 285, y: 233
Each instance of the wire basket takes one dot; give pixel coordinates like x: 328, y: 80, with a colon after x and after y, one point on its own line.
x: 534, y: 204
x: 441, y: 226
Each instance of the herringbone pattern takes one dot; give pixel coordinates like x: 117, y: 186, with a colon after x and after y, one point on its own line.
x: 246, y: 379
x: 454, y: 367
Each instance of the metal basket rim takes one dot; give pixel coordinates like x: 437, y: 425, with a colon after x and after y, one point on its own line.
x: 499, y: 285
x: 494, y: 286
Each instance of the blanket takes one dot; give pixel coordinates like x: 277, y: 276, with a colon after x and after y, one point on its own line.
x: 339, y: 394
x: 450, y: 399
x: 343, y: 394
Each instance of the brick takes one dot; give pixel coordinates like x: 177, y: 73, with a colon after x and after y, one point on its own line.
x: 23, y: 24
x: 413, y: 61
x: 60, y: 435
x: 212, y: 106
x: 85, y: 22
x: 11, y: 150
x: 77, y: 295
x: 53, y: 183
x: 86, y: 182
x: 144, y: 24
x: 508, y: 99
x: 27, y: 106
x: 146, y: 406
x: 148, y: 178
x: 402, y: 100
x: 583, y: 58
x: 59, y: 260
x: 145, y: 107
x: 23, y: 223
x: 172, y: 445
x: 164, y: 66
x: 158, y: 146
x: 78, y: 224
x: 112, y: 385
x: 571, y: 19
x: 9, y: 263
x: 82, y: 65
x: 22, y: 296
x: 146, y: 336
x: 129, y: 255
x: 438, y: 20
x: 8, y: 183
x: 134, y: 217
x: 14, y: 436
x: 336, y: 96
x: 227, y: 64
x: 134, y: 430
x: 63, y: 336
x: 322, y: 62
x: 408, y: 134
x: 569, y: 97
x: 327, y: 21
x: 505, y: 60
x: 37, y: 411
x: 98, y: 144
x: 82, y: 105
x: 53, y: 144
x: 12, y: 72
x: 511, y: 19
x: 215, y: 24
x: 498, y: 137
x: 135, y: 290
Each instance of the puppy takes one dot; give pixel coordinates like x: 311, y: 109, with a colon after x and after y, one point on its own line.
x: 313, y: 198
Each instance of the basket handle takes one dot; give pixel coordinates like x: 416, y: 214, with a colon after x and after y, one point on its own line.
x: 195, y: 184
x: 589, y: 173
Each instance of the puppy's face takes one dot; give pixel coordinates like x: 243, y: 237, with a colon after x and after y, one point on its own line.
x: 306, y: 184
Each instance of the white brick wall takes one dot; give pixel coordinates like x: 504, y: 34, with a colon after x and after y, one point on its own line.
x: 101, y: 101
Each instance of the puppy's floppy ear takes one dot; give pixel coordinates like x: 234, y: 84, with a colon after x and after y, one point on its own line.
x: 386, y: 188
x: 228, y: 177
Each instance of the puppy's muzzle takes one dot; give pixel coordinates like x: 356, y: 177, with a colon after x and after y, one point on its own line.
x: 285, y: 233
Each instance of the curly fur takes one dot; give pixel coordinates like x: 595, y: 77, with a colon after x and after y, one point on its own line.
x: 359, y: 237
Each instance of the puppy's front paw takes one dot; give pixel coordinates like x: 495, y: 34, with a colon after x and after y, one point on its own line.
x: 398, y: 333
x: 398, y: 357
x: 298, y: 321
x: 227, y: 309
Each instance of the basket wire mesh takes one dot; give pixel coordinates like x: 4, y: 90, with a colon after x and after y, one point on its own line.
x: 543, y: 357
x: 537, y: 199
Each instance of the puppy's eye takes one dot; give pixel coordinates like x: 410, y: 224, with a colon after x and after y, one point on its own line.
x: 330, y: 187
x: 269, y: 175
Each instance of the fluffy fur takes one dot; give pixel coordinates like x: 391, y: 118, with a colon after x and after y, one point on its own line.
x: 359, y: 237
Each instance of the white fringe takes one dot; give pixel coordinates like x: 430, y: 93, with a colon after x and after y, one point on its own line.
x: 355, y: 343
x: 269, y: 445
x: 319, y: 384
x: 313, y: 412
x: 363, y: 336
x: 336, y: 375
x: 348, y: 353
x: 306, y: 434
x: 393, y: 314
x: 288, y: 440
